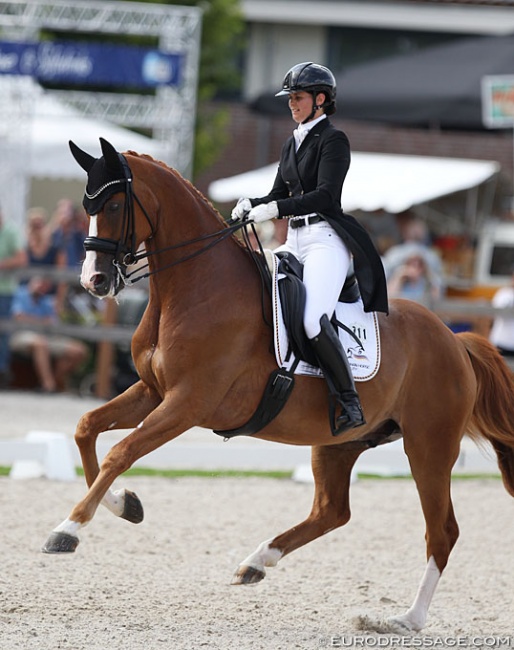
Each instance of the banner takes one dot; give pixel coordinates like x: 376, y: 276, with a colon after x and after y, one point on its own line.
x: 91, y: 64
x: 498, y: 101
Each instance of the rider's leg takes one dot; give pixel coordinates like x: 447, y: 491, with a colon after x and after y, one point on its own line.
x: 326, y: 263
x: 334, y: 363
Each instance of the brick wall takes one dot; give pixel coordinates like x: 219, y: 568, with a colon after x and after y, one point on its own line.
x: 255, y: 141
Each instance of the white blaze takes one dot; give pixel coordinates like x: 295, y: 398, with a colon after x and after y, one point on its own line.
x: 89, y: 263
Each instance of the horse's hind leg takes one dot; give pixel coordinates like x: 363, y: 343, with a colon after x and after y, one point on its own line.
x: 431, y: 464
x: 331, y: 467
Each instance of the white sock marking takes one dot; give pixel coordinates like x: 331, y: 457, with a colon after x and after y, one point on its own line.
x: 264, y: 556
x: 415, y: 617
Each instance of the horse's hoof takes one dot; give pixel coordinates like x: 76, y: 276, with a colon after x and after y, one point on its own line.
x: 133, y: 508
x: 247, y: 575
x: 60, y: 543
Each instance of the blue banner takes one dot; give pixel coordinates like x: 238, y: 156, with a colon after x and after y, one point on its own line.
x: 91, y: 64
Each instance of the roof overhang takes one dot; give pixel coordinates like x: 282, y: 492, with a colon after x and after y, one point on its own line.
x: 434, y: 17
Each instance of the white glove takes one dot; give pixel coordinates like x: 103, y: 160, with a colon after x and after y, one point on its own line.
x: 243, y: 207
x: 263, y: 212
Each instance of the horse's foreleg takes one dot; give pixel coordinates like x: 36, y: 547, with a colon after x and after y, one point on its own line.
x: 331, y: 467
x: 161, y: 425
x: 123, y: 412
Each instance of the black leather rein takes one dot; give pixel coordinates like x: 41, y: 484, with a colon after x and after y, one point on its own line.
x: 124, y: 251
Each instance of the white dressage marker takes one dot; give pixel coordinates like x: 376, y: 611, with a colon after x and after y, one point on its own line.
x: 40, y: 453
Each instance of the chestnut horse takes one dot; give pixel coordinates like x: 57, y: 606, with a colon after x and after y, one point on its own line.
x: 203, y: 351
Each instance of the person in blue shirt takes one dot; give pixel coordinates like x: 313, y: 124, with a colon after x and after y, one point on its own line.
x: 55, y: 358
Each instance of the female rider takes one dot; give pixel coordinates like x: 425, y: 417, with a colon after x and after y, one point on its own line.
x: 307, y: 191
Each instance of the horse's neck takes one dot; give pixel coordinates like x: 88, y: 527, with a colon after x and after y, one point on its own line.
x: 190, y: 275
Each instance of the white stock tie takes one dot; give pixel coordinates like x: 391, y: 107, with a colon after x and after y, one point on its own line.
x: 299, y: 135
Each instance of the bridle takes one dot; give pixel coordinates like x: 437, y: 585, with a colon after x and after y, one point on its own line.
x: 124, y: 250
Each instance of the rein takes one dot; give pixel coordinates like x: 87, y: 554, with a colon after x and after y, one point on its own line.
x: 220, y: 236
x: 124, y: 251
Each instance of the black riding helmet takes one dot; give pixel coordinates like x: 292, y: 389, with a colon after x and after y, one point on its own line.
x: 312, y: 78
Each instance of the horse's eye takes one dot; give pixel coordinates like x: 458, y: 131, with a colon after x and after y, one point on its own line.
x: 113, y: 207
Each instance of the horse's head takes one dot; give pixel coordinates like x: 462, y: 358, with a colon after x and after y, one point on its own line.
x: 112, y: 240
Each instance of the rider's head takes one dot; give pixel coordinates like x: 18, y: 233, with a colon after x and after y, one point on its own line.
x: 314, y: 79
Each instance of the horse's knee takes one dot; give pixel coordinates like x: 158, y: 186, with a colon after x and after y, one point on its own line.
x: 85, y: 431
x: 116, y: 461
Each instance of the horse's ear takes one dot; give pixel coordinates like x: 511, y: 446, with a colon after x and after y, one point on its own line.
x: 111, y: 156
x: 84, y: 159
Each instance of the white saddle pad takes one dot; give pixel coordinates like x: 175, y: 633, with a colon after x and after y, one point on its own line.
x: 364, y: 357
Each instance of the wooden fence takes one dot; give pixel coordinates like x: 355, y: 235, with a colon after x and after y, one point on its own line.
x: 108, y: 332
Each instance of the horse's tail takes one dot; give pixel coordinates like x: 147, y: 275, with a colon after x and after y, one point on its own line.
x: 493, y: 414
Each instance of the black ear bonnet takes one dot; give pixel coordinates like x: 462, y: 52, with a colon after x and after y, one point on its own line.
x: 105, y: 176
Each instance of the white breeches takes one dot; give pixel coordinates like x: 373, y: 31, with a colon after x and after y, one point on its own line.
x: 326, y: 261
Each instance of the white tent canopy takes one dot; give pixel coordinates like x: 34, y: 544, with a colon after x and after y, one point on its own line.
x: 35, y: 146
x: 389, y: 182
x: 54, y: 124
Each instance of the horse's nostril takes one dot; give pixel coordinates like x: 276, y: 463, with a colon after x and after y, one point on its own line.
x: 98, y: 279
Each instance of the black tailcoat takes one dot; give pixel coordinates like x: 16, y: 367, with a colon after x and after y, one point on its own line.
x: 311, y: 180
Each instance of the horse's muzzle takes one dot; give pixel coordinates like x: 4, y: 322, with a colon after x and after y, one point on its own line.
x: 100, y: 276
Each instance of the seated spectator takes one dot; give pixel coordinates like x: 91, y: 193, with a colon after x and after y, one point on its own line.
x: 69, y: 229
x: 55, y: 358
x: 414, y: 280
x: 42, y: 251
x: 502, y: 331
x: 12, y: 256
x: 415, y: 240
x: 413, y: 268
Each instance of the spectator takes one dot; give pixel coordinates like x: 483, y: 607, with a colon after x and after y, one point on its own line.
x: 69, y: 229
x: 12, y: 256
x: 55, y: 358
x: 502, y: 331
x: 414, y: 280
x: 42, y: 251
x: 413, y: 268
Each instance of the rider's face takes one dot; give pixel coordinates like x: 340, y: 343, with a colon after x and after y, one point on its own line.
x: 300, y: 104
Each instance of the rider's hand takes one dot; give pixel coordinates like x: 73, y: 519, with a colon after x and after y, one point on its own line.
x: 264, y: 212
x: 241, y: 209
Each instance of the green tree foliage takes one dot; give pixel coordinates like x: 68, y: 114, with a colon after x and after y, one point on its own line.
x: 221, y: 44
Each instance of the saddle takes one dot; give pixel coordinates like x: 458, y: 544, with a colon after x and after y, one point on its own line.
x: 281, y: 381
x: 292, y: 298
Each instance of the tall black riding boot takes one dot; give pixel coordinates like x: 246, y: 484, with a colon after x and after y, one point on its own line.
x: 334, y: 364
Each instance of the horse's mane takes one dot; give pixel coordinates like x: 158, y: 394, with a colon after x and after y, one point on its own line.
x: 181, y: 178
x: 192, y: 188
